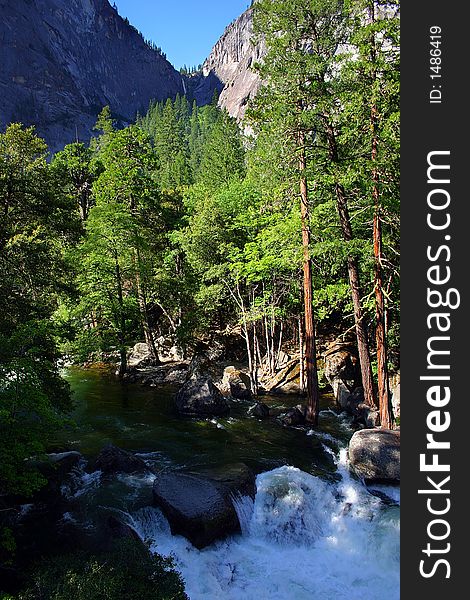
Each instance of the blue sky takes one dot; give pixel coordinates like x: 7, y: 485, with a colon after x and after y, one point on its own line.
x: 185, y: 29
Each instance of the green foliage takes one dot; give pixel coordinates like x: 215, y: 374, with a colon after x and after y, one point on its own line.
x: 37, y: 224
x: 76, y: 168
x: 222, y: 158
x: 128, y: 572
x: 327, y: 64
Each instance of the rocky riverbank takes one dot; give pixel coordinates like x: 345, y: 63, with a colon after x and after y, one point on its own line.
x: 208, y: 384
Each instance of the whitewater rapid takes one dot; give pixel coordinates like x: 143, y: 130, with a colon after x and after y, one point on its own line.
x: 302, y: 538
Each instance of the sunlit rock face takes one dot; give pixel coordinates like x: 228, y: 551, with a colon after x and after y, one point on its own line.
x: 63, y: 60
x: 228, y: 68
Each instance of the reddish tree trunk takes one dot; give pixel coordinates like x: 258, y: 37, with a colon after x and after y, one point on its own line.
x: 353, y: 272
x: 385, y: 408
x: 354, y: 283
x: 310, y: 347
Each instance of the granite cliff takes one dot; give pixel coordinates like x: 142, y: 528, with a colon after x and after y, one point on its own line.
x: 63, y: 60
x: 228, y: 68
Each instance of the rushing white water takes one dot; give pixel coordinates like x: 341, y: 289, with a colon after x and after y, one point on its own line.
x: 80, y: 482
x: 302, y: 538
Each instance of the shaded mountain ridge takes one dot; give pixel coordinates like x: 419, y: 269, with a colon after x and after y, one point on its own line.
x: 63, y: 60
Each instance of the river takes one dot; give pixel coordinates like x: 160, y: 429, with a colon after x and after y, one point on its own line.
x: 312, y: 532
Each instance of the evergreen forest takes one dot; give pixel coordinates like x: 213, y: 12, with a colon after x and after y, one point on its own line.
x: 280, y: 233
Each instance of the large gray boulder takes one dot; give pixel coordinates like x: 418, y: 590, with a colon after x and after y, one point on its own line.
x: 374, y: 455
x: 199, y: 506
x: 285, y: 381
x: 200, y: 397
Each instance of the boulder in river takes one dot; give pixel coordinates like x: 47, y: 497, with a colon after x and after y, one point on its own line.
x: 199, y: 506
x: 374, y: 455
x: 200, y: 397
x: 342, y: 370
x: 115, y: 460
x: 55, y: 470
x: 294, y: 416
x: 237, y: 383
x: 120, y: 530
x: 260, y: 410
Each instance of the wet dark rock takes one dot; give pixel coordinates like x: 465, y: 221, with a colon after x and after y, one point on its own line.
x: 370, y: 416
x: 356, y: 398
x: 115, y: 460
x: 55, y: 469
x: 199, y: 505
x: 294, y: 416
x: 63, y: 462
x: 237, y: 383
x: 374, y: 455
x: 204, y: 357
x: 132, y: 375
x: 171, y: 373
x: 200, y: 397
x: 235, y: 478
x: 120, y: 530
x: 260, y: 410
x: 383, y: 496
x: 362, y: 413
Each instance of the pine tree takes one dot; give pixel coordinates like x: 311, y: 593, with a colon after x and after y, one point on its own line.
x: 290, y: 70
x: 120, y: 227
x: 172, y: 148
x: 77, y: 171
x: 371, y: 109
x: 223, y: 156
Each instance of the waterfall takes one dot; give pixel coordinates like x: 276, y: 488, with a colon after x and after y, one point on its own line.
x: 243, y: 506
x: 302, y: 538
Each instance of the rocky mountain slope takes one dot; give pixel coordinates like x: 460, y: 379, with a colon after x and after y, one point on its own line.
x: 228, y: 68
x: 63, y: 60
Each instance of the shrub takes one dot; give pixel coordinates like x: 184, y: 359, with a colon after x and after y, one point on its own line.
x: 128, y: 572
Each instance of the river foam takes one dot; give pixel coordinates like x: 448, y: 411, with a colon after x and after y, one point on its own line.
x: 303, y: 538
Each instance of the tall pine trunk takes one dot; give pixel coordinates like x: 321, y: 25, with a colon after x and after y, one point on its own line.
x: 302, y: 358
x: 385, y: 408
x: 143, y: 309
x: 353, y: 273
x: 121, y: 319
x: 311, y: 372
x: 354, y: 284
